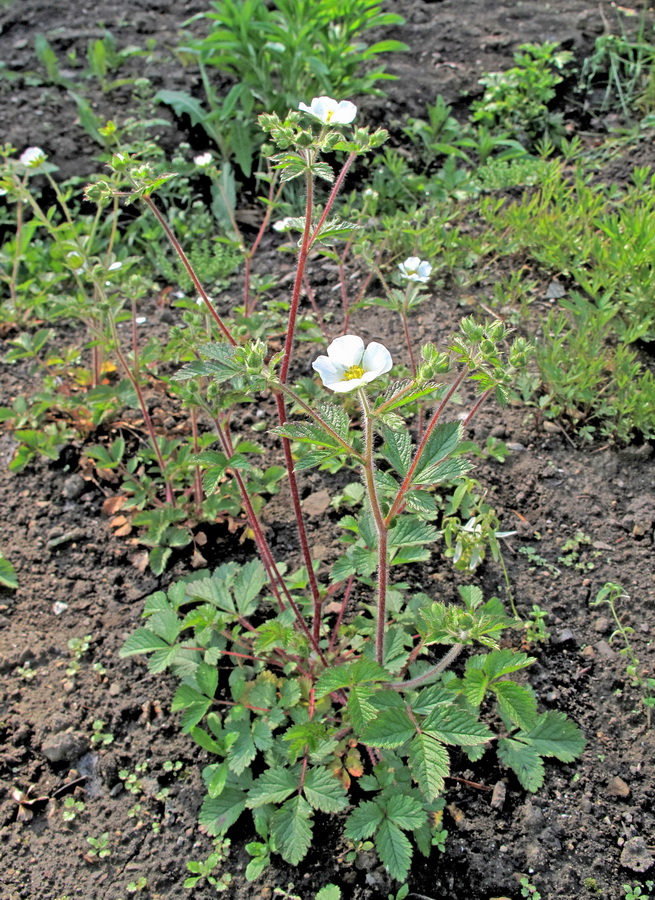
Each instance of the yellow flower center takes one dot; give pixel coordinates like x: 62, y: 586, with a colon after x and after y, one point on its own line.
x: 328, y: 117
x: 353, y: 372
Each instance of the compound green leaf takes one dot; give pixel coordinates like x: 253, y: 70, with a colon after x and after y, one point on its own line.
x: 456, y: 726
x: 516, y: 703
x: 524, y: 760
x: 323, y: 791
x: 394, y: 849
x: 291, y: 827
x: 555, y: 735
x: 406, y: 812
x: 364, y: 820
x: 218, y: 813
x: 274, y: 786
x: 428, y: 760
x: 390, y: 729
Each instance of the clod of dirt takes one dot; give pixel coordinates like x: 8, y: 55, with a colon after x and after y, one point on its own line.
x: 640, y: 516
x: 618, y: 788
x: 636, y: 855
x: 74, y: 487
x: 67, y: 746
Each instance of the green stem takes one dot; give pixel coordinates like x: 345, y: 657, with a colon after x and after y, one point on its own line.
x: 380, y: 526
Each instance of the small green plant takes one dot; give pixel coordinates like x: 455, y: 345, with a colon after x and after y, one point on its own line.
x: 71, y: 809
x: 131, y: 780
x: 528, y: 889
x: 612, y: 594
x: 138, y: 885
x: 535, y: 625
x: 639, y: 891
x: 26, y: 672
x: 99, y: 847
x: 99, y: 736
x: 78, y: 647
x: 206, y: 869
x: 517, y: 100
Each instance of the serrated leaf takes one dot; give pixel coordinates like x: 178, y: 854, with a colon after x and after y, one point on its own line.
x: 397, y: 449
x: 207, y: 679
x: 361, y: 672
x: 554, y: 734
x: 474, y: 686
x: 406, y: 812
x: 329, y: 892
x: 364, y: 820
x: 291, y: 827
x: 524, y: 761
x: 218, y: 813
x: 360, y: 710
x: 443, y: 473
x: 243, y: 750
x: 429, y: 762
x: 456, y: 726
x: 247, y: 585
x: 443, y: 441
x: 142, y: 641
x: 516, y: 703
x: 394, y: 849
x: 262, y: 735
x: 410, y: 531
x: 274, y: 786
x: 504, y: 662
x: 336, y: 417
x: 323, y: 791
x: 216, y: 782
x: 390, y: 729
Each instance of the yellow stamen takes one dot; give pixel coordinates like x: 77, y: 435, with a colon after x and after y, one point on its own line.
x: 353, y: 372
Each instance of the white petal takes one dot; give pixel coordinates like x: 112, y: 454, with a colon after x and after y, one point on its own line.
x: 329, y: 372
x: 376, y: 361
x: 321, y: 107
x: 412, y: 262
x: 345, y: 113
x: 346, y: 351
x: 342, y: 387
x: 424, y: 270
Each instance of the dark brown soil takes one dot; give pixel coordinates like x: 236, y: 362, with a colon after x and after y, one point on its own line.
x: 580, y: 826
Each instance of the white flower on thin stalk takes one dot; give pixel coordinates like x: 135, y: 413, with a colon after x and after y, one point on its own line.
x: 415, y: 269
x: 348, y: 365
x: 329, y: 111
x: 203, y: 160
x: 33, y: 157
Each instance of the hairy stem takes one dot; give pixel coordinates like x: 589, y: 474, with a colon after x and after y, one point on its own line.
x: 191, y: 272
x: 441, y: 666
x: 380, y: 526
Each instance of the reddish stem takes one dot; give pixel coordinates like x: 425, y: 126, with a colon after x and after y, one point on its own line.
x: 190, y: 270
x: 404, y: 487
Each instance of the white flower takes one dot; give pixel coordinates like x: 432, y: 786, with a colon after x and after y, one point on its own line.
x: 283, y: 224
x: 3, y: 192
x: 329, y: 111
x: 415, y: 269
x: 32, y: 157
x: 348, y: 365
x: 203, y: 160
